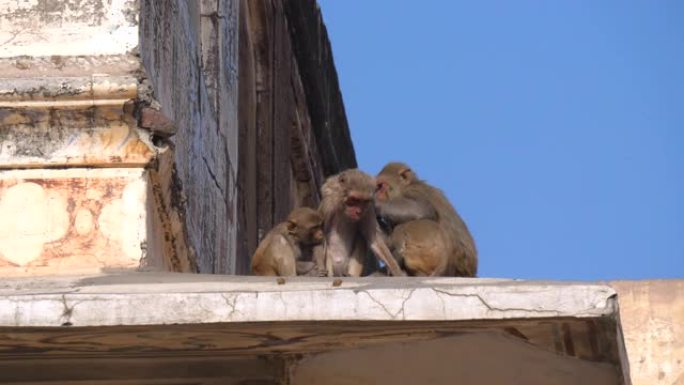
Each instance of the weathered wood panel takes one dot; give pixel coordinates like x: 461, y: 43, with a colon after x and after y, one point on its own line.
x: 261, y: 14
x: 263, y: 352
x: 312, y: 50
x: 275, y: 102
x: 283, y: 107
x: 306, y: 157
x: 593, y: 339
x: 147, y: 371
x: 247, y: 123
x: 189, y: 50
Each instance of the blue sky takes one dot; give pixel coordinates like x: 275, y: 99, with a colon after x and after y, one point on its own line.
x: 556, y: 128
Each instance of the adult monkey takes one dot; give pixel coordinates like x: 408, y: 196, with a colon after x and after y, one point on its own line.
x: 351, y: 226
x: 426, y: 232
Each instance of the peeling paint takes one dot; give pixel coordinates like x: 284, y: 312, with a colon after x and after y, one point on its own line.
x: 61, y: 221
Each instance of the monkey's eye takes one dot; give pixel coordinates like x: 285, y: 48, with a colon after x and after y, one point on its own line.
x: 354, y: 202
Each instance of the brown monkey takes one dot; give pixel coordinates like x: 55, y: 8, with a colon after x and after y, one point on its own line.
x: 420, y: 247
x: 351, y: 226
x: 279, y: 253
x: 427, y: 233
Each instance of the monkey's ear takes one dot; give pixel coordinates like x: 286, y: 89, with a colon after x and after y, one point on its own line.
x: 406, y: 175
x: 291, y: 226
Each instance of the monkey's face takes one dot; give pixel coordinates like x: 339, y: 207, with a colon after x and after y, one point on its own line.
x: 382, y: 190
x: 391, y: 180
x: 306, y: 225
x: 357, y: 192
x: 312, y: 235
x: 355, y: 206
x: 309, y: 234
x: 386, y: 188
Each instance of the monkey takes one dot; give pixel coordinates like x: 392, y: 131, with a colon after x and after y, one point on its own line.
x: 350, y: 226
x: 281, y: 250
x: 420, y: 246
x: 427, y: 235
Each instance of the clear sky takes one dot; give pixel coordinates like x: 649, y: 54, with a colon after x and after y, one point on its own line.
x: 556, y: 128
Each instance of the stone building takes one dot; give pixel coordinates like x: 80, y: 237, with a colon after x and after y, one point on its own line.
x: 142, y: 139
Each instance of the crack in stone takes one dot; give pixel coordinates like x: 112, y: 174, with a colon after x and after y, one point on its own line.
x: 441, y: 300
x: 403, y: 304
x: 380, y: 304
x: 68, y: 312
x: 401, y: 310
x: 232, y: 304
x: 205, y: 309
x: 493, y: 308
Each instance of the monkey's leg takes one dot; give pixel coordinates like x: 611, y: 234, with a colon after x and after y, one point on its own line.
x: 422, y: 247
x: 287, y: 266
x: 305, y: 267
x: 321, y: 269
x: 329, y: 267
x: 358, y: 256
x: 461, y: 265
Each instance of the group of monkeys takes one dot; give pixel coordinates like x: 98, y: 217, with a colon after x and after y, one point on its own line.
x: 408, y: 224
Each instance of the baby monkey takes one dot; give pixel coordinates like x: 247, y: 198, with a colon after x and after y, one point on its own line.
x: 280, y: 253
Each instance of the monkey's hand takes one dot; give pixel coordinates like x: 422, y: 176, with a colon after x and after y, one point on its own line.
x: 400, y: 210
x: 318, y: 272
x: 310, y: 269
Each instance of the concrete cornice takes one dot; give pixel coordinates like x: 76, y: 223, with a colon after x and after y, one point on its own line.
x: 144, y: 299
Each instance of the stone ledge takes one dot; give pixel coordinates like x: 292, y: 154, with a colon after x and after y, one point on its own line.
x: 307, y: 331
x: 147, y: 299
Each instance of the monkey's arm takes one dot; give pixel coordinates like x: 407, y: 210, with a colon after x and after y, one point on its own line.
x: 284, y: 255
x: 401, y: 210
x: 373, y: 234
x: 381, y: 251
x: 260, y: 264
x: 287, y: 267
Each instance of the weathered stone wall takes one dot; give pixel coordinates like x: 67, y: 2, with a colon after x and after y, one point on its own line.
x: 652, y: 318
x: 73, y: 178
